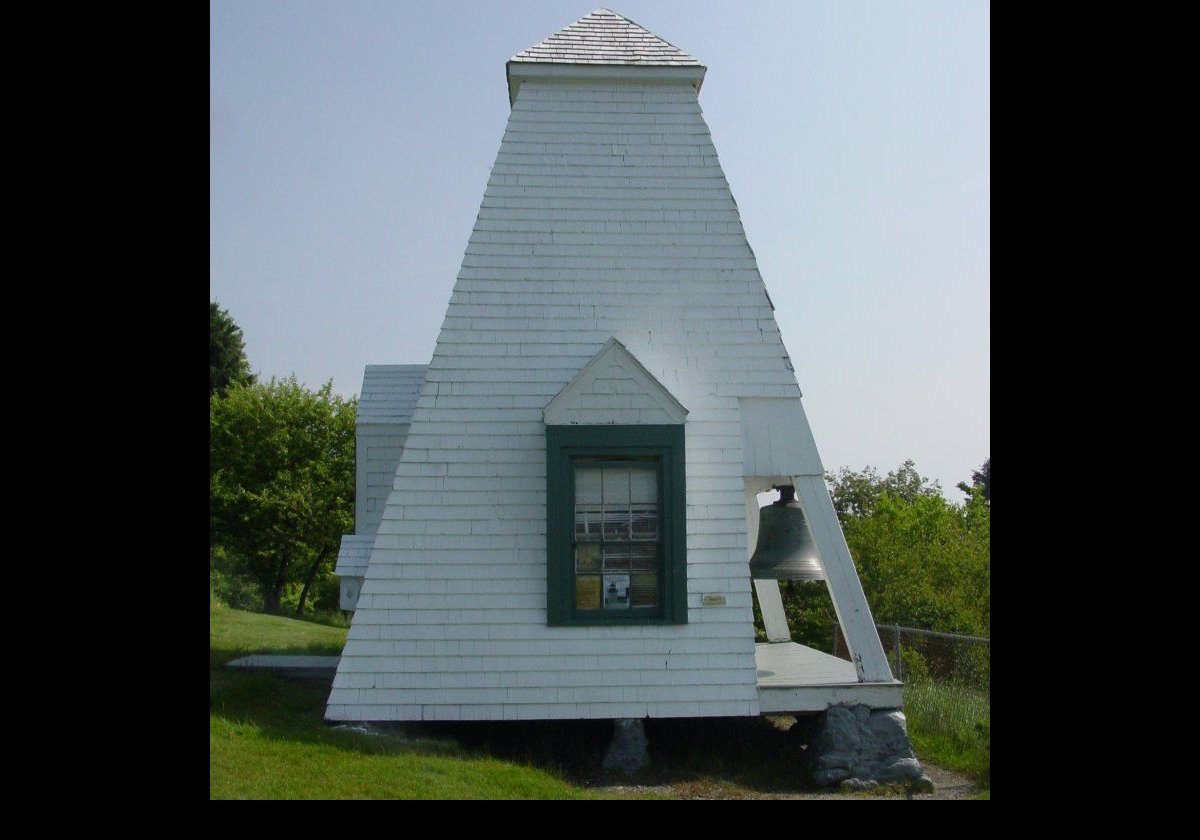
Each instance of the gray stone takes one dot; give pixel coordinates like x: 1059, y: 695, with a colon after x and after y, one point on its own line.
x: 627, y: 753
x: 856, y: 745
x: 832, y: 760
x: 922, y: 784
x: 828, y: 777
x: 899, y: 771
x: 859, y: 784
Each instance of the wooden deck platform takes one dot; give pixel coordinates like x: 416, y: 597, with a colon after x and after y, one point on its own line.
x: 791, y: 678
x: 795, y: 678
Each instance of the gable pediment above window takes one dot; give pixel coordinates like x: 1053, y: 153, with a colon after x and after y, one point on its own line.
x: 614, y: 389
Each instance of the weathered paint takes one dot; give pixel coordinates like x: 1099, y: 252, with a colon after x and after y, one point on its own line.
x: 770, y: 602
x: 385, y: 405
x: 776, y: 438
x: 614, y: 389
x: 352, y: 566
x: 795, y: 678
x: 818, y: 698
x: 606, y: 216
x: 845, y: 589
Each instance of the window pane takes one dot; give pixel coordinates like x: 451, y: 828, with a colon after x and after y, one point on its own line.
x: 645, y: 589
x: 616, y: 486
x: 587, y: 558
x: 587, y: 486
x: 616, y: 558
x: 587, y: 522
x: 645, y: 523
x: 616, y: 522
x: 587, y: 592
x: 643, y: 557
x: 643, y: 485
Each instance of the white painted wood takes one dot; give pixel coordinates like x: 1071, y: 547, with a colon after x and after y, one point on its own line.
x: 841, y: 578
x: 386, y: 403
x: 521, y: 72
x: 609, y: 389
x: 780, y: 701
x: 351, y: 566
x: 606, y: 215
x: 795, y: 678
x: 793, y: 664
x: 353, y: 553
x: 389, y: 393
x: 770, y: 602
x: 776, y: 438
x: 349, y: 588
x: 376, y: 454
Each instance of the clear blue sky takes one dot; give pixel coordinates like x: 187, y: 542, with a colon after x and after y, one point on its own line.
x: 350, y: 143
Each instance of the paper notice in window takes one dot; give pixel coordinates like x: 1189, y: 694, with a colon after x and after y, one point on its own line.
x: 587, y: 592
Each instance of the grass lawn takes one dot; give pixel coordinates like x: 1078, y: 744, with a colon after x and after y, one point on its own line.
x: 268, y: 740
x: 950, y: 726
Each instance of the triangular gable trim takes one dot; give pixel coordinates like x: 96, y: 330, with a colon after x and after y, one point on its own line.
x: 568, y: 405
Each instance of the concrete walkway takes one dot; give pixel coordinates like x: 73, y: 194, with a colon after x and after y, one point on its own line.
x: 322, y: 667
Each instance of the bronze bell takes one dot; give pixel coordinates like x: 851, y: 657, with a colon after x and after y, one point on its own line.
x: 785, y: 549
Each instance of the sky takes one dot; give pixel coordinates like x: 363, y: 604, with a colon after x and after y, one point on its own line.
x: 350, y: 144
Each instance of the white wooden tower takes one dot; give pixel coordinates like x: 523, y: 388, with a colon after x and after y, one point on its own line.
x: 569, y: 527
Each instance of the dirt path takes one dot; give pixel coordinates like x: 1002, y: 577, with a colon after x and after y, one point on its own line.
x: 947, y: 785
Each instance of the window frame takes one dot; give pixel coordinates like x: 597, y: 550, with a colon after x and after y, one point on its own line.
x: 663, y: 444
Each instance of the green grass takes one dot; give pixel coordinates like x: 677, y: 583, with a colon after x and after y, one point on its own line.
x: 268, y: 739
x: 234, y: 633
x: 949, y: 725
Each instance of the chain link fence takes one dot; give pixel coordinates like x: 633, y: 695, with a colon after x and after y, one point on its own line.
x: 917, y: 655
x: 947, y: 679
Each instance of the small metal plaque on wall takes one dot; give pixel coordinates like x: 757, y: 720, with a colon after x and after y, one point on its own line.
x: 713, y: 601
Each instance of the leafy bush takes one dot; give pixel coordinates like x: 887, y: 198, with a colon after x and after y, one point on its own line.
x: 923, y: 562
x: 913, y: 666
x: 228, y: 588
x: 281, y: 487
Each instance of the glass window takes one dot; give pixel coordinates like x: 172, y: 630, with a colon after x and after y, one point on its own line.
x: 616, y: 535
x: 616, y: 528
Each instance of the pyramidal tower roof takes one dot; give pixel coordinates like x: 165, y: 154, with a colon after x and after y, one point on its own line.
x: 605, y: 37
x: 602, y: 43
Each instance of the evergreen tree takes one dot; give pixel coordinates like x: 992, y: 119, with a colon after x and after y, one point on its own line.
x: 227, y: 363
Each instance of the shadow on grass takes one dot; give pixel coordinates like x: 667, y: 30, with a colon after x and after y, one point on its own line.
x: 762, y: 755
x: 293, y: 710
x: 758, y: 754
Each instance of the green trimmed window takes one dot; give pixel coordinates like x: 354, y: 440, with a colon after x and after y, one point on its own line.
x: 616, y: 529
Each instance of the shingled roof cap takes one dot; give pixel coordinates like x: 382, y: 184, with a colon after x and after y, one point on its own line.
x: 603, y: 44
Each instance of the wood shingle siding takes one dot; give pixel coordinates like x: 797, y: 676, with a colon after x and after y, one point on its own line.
x: 385, y: 407
x: 606, y: 216
x: 580, y: 246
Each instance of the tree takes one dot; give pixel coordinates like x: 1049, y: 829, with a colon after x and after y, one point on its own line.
x: 981, y: 478
x: 855, y: 494
x: 923, y: 561
x: 281, y: 483
x: 227, y: 363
